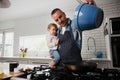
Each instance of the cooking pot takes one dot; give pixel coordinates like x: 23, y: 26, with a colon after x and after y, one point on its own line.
x: 82, y: 67
x: 88, y: 17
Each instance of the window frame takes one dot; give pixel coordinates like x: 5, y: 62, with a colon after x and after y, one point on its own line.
x: 3, y: 32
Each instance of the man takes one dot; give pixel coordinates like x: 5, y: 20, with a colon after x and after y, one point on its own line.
x: 69, y: 42
x: 70, y: 38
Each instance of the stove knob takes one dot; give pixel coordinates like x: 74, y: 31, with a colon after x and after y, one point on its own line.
x: 47, y: 74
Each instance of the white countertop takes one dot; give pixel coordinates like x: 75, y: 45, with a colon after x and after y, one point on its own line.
x: 98, y: 59
x: 47, y: 58
x: 28, y: 57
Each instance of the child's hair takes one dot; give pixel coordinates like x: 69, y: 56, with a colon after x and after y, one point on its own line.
x: 52, y: 25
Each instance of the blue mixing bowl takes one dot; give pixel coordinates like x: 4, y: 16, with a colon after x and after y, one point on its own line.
x: 88, y: 17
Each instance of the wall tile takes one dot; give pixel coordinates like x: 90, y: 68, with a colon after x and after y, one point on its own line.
x: 110, y: 9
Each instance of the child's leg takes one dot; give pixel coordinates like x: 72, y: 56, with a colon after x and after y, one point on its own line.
x: 56, y: 56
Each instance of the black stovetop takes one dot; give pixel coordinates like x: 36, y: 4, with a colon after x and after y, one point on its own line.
x: 60, y: 73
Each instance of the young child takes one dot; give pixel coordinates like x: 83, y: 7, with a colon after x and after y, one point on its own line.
x: 52, y: 42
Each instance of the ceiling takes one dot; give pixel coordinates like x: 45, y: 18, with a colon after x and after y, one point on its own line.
x: 27, y: 8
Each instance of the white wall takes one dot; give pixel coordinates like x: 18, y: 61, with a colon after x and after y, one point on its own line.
x: 6, y: 24
x: 33, y: 26
x: 29, y: 26
x: 111, y: 8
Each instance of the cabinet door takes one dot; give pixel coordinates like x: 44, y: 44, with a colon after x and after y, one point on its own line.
x: 40, y: 61
x: 23, y: 61
x: 115, y: 44
x: 104, y: 64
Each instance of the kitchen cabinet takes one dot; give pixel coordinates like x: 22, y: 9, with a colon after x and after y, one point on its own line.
x: 13, y: 60
x: 39, y: 61
x: 26, y: 60
x: 101, y: 62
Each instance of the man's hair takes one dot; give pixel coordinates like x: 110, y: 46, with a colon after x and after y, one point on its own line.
x: 54, y: 10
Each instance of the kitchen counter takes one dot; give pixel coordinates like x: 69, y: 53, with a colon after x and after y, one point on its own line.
x: 26, y: 60
x: 12, y: 74
x: 44, y: 59
x: 16, y: 57
x: 102, y: 62
x: 97, y: 59
x: 4, y: 67
x: 47, y: 58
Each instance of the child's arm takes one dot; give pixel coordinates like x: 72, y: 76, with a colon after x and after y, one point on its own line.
x: 56, y: 42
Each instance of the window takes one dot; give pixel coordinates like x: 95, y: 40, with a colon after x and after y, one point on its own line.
x: 6, y: 43
x: 1, y: 43
x: 36, y: 45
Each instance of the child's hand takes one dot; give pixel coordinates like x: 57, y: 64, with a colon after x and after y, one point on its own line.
x: 51, y: 56
x: 56, y: 42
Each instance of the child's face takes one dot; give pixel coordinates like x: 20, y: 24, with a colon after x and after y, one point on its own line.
x: 52, y: 30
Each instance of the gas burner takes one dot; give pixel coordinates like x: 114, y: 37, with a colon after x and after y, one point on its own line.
x: 60, y: 73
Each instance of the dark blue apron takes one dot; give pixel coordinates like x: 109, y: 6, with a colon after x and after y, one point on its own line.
x: 68, y: 49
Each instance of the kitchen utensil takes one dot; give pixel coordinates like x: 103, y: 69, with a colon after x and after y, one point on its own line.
x: 82, y: 67
x: 13, y: 65
x: 99, y: 54
x: 88, y: 17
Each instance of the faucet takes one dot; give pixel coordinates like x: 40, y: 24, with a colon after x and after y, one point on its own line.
x: 94, y: 43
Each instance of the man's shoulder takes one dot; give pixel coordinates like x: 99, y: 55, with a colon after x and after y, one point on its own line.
x: 59, y: 28
x: 74, y: 28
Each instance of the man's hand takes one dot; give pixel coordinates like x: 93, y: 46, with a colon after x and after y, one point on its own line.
x: 91, y: 2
